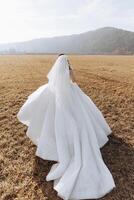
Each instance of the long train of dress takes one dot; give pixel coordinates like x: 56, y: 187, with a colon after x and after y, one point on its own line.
x: 70, y: 129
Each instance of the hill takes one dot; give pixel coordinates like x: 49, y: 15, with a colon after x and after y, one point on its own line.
x: 107, y: 40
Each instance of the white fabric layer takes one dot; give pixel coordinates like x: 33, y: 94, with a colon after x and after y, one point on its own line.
x: 67, y: 127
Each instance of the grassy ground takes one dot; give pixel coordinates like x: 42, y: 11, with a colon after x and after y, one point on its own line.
x: 108, y: 80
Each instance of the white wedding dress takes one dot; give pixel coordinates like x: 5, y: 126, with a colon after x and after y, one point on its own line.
x: 67, y: 127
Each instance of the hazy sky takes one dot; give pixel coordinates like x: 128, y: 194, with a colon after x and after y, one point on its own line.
x: 27, y: 19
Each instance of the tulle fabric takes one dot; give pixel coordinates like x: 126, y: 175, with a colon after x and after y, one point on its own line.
x: 58, y: 76
x: 67, y: 127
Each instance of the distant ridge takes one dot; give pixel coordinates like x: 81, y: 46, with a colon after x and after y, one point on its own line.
x: 106, y: 40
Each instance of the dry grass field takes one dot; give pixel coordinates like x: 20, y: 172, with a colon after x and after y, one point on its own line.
x: 108, y: 80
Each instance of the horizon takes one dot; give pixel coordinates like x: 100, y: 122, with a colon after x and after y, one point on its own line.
x: 6, y: 43
x: 27, y: 20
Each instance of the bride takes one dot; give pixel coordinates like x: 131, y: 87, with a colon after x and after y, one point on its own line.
x: 67, y: 127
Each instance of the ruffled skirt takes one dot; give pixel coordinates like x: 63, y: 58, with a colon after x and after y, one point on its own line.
x: 67, y: 127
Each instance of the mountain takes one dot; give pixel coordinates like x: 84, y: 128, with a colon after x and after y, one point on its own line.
x: 107, y: 40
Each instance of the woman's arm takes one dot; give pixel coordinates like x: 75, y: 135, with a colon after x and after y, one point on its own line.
x: 71, y: 73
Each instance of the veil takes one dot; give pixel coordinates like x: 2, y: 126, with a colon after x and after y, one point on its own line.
x: 59, y: 76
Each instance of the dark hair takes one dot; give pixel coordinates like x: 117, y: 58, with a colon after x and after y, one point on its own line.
x: 60, y: 54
